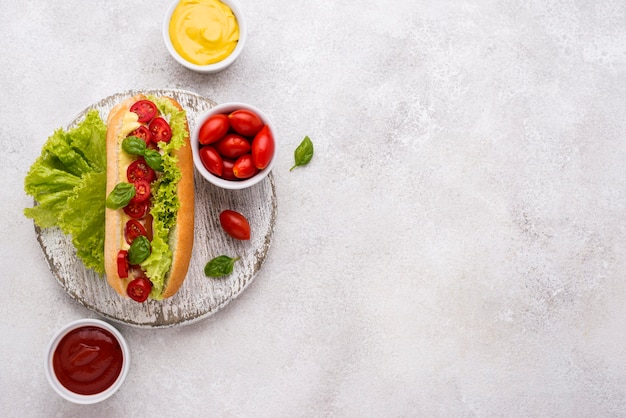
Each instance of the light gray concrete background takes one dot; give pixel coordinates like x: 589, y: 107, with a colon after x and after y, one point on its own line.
x: 456, y: 247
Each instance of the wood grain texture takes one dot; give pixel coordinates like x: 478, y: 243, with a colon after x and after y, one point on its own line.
x: 199, y: 296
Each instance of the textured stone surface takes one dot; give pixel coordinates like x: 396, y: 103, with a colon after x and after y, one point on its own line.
x: 455, y: 248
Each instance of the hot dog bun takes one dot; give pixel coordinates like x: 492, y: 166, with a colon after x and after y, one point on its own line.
x: 180, y: 238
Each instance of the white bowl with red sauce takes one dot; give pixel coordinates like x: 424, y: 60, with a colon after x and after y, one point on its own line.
x: 230, y: 182
x: 87, y: 361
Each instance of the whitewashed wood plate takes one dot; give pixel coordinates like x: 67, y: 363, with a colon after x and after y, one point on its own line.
x: 199, y: 296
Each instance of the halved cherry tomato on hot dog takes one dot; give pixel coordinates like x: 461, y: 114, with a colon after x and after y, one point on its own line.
x: 244, y: 167
x: 214, y: 128
x: 211, y: 160
x: 232, y: 146
x: 263, y: 148
x: 145, y: 109
x: 122, y: 264
x: 133, y: 229
x: 227, y: 169
x: 245, y: 122
x: 137, y: 210
x: 142, y: 191
x: 139, y: 289
x: 235, y: 224
x: 160, y: 130
x: 142, y: 132
x: 140, y: 170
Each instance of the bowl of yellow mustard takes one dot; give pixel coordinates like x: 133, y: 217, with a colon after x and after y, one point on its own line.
x: 205, y: 36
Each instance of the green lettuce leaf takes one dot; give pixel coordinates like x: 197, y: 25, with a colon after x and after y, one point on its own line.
x: 68, y: 183
x: 165, y: 203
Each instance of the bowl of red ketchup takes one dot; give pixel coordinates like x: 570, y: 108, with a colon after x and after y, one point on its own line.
x: 87, y: 361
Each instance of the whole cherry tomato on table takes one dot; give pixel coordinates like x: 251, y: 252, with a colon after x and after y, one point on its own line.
x: 213, y: 129
x: 235, y: 224
x: 263, y: 148
x: 244, y: 167
x: 211, y: 160
x: 245, y: 122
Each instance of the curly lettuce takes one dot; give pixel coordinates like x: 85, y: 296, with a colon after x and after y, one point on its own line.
x: 68, y: 183
x: 165, y: 203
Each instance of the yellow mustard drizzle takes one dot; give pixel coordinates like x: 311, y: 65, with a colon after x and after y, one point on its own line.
x: 203, y: 31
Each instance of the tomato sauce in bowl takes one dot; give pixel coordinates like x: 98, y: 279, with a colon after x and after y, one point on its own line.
x: 87, y: 361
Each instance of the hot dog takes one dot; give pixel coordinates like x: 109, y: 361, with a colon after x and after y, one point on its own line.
x: 150, y: 198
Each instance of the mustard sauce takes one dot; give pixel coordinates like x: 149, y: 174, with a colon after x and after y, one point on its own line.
x: 203, y: 31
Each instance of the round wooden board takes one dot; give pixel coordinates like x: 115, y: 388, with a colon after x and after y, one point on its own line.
x: 199, y: 296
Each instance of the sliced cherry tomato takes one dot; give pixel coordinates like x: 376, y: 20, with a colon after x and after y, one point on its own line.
x: 139, y: 289
x: 142, y: 132
x: 133, y: 229
x: 244, y: 168
x: 227, y: 169
x: 235, y: 224
x: 122, y: 264
x: 245, y: 122
x: 263, y: 148
x: 211, y: 160
x: 232, y: 146
x: 140, y: 170
x: 214, y: 128
x: 160, y: 130
x: 145, y: 109
x: 142, y: 191
x: 137, y: 210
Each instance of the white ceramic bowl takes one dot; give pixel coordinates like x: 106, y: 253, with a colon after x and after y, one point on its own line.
x: 62, y: 390
x: 195, y: 147
x: 210, y: 68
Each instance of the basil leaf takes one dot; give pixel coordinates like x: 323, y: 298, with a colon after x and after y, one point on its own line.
x: 220, y: 266
x: 120, y: 195
x: 134, y: 145
x: 153, y: 159
x: 139, y: 250
x: 303, y: 153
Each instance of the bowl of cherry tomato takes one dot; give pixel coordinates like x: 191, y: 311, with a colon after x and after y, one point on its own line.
x: 233, y: 145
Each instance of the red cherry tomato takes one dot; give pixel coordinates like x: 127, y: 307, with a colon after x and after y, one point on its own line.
x: 232, y: 146
x: 122, y: 264
x: 137, y: 210
x: 142, y: 191
x: 142, y: 132
x: 214, y: 128
x: 133, y: 229
x: 139, y: 289
x: 160, y: 130
x: 145, y: 109
x: 244, y: 168
x: 245, y: 122
x: 227, y: 169
x: 140, y: 170
x: 263, y: 148
x: 235, y: 224
x: 211, y: 160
